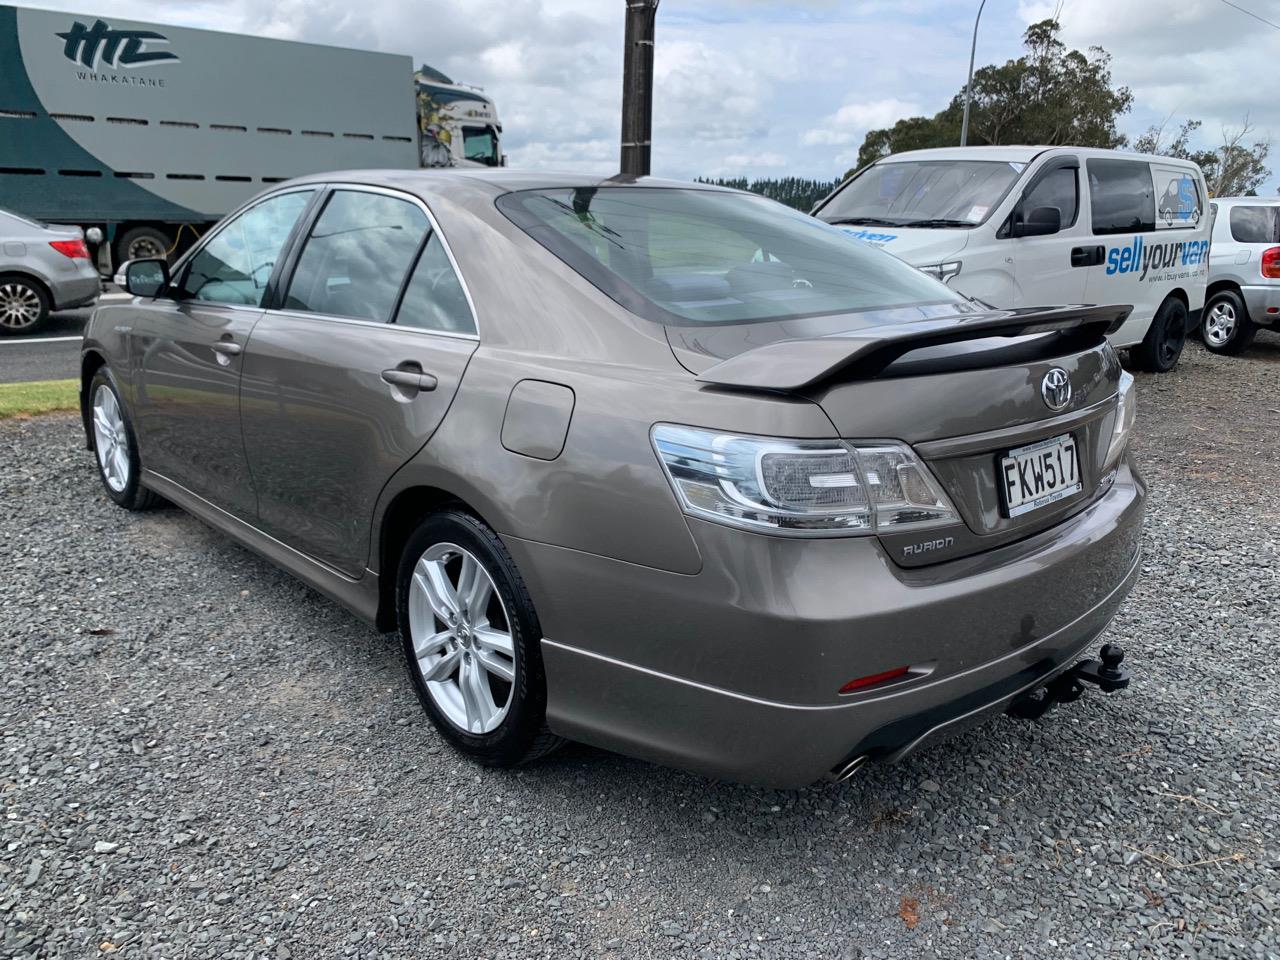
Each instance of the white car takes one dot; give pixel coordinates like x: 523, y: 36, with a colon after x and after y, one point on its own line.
x: 1244, y: 273
x: 1033, y: 226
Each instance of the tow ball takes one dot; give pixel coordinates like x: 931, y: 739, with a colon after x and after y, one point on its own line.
x: 1104, y: 673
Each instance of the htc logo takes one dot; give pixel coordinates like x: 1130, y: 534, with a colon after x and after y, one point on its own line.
x: 114, y: 48
x: 928, y: 546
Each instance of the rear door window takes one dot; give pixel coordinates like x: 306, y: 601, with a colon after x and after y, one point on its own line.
x: 1255, y: 224
x: 1121, y: 196
x: 355, y: 258
x: 434, y: 299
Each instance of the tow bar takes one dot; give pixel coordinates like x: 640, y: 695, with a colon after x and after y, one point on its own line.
x: 1106, y: 674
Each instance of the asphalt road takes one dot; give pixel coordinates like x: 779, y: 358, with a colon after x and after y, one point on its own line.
x: 51, y: 354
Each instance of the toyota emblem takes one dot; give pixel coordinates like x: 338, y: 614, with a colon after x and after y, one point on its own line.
x: 1056, y: 389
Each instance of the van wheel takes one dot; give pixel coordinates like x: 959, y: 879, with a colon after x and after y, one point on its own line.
x: 1227, y: 328
x: 472, y: 642
x: 1167, y: 335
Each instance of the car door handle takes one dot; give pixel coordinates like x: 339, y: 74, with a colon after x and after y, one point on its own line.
x: 1087, y: 256
x: 413, y: 379
x: 227, y: 348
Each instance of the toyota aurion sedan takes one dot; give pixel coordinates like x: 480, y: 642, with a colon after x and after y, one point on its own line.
x: 661, y: 467
x: 43, y: 267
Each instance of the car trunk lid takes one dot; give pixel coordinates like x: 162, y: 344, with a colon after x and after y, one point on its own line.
x: 965, y: 392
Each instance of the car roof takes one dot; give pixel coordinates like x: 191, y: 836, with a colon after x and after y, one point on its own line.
x: 495, y: 181
x: 1019, y: 153
x: 1251, y: 201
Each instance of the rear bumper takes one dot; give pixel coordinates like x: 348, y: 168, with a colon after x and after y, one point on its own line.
x: 76, y: 291
x: 1258, y: 299
x: 734, y: 672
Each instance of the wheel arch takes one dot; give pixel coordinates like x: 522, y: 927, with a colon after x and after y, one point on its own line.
x: 398, y: 521
x: 90, y: 363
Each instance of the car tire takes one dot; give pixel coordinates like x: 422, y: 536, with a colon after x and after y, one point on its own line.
x: 143, y: 242
x: 1167, y: 335
x: 115, y: 447
x: 1227, y: 328
x: 24, y: 305
x: 479, y: 677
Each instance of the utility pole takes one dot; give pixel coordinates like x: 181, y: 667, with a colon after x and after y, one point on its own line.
x: 637, y: 87
x: 968, y: 87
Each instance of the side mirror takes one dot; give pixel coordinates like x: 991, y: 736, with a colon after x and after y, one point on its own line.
x: 1040, y: 222
x: 144, y: 277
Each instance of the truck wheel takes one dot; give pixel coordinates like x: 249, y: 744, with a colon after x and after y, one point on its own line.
x: 1227, y: 328
x: 1167, y: 335
x: 24, y: 305
x: 143, y: 242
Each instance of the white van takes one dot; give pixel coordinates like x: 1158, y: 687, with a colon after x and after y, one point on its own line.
x: 1034, y: 226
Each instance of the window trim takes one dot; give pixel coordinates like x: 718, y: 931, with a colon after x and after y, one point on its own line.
x: 303, y: 230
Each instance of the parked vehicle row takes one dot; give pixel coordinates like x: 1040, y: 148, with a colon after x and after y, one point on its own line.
x: 1021, y: 226
x: 661, y: 467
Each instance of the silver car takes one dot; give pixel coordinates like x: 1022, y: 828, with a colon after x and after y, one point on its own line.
x: 665, y: 468
x: 1244, y: 273
x: 42, y: 268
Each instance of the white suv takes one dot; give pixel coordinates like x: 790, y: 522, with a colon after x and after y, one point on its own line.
x: 1244, y: 272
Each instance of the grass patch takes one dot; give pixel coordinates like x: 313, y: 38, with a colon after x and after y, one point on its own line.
x: 38, y: 396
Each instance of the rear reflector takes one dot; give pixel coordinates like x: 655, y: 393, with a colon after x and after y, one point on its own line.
x: 870, y: 681
x: 75, y: 249
x: 1271, y: 263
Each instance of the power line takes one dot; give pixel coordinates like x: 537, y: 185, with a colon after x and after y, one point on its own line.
x: 1250, y: 13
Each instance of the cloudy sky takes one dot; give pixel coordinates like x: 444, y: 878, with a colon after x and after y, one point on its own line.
x: 761, y: 88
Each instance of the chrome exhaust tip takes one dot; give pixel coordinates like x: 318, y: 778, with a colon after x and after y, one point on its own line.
x: 847, y: 769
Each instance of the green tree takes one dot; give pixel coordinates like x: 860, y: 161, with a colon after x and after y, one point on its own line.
x: 796, y: 192
x: 1049, y: 95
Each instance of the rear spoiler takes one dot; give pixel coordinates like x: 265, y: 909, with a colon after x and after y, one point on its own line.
x: 863, y: 354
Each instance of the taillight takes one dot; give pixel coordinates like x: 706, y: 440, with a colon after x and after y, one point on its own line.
x: 75, y: 249
x: 1271, y: 263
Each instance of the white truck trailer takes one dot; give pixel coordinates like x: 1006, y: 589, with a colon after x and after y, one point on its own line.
x: 151, y: 133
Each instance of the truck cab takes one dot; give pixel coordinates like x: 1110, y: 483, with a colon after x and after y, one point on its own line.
x: 457, y: 124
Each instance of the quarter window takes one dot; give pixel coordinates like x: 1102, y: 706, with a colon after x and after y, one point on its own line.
x: 356, y: 256
x: 1057, y: 189
x: 1121, y: 196
x: 236, y: 263
x: 434, y: 299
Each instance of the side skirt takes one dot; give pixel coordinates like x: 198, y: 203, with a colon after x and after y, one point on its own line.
x: 358, y: 596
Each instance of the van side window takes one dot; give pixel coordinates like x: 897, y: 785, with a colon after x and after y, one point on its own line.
x: 1058, y: 189
x: 357, y: 256
x: 1121, y: 196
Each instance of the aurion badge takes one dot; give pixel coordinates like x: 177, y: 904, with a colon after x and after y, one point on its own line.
x: 1056, y: 389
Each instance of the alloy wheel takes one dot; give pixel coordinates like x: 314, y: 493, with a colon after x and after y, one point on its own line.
x: 20, y: 306
x: 1220, y: 324
x: 110, y: 438
x: 462, y: 642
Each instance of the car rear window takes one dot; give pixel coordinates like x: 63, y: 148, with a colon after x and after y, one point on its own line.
x: 689, y: 256
x: 1255, y: 224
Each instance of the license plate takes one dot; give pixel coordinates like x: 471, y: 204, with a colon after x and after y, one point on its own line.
x: 1039, y: 474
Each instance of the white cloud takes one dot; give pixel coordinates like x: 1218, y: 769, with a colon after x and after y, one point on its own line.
x: 852, y: 121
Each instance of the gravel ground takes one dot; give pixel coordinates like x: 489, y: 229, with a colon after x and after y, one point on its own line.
x: 202, y: 758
